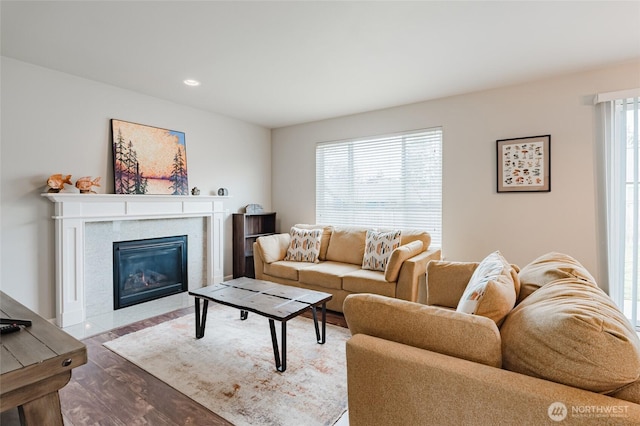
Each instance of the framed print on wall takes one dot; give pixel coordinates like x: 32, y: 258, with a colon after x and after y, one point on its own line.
x: 148, y: 160
x: 524, y: 164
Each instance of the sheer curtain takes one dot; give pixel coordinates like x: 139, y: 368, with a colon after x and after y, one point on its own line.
x: 619, y: 113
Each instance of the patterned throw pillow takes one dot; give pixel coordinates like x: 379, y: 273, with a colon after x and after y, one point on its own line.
x: 304, y: 245
x: 378, y: 248
x: 491, y: 291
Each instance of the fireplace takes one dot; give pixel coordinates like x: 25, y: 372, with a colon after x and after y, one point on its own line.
x: 148, y: 269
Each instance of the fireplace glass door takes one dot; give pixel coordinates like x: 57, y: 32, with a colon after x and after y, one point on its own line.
x: 148, y: 269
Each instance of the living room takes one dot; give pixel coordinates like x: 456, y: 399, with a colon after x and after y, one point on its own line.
x: 56, y: 120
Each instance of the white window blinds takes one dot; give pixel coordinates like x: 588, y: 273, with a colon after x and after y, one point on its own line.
x: 383, y: 181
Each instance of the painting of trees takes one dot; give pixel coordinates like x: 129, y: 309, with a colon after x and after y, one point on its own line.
x: 148, y: 160
x: 179, y: 175
x: 127, y: 174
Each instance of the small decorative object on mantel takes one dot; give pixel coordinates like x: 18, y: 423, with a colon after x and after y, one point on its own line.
x: 195, y: 191
x: 223, y: 191
x: 524, y: 164
x: 253, y: 208
x: 84, y: 184
x: 56, y: 182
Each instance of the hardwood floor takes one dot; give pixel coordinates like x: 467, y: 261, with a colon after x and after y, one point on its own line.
x: 109, y: 390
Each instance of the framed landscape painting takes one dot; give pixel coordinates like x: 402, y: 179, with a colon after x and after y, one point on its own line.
x: 524, y: 164
x: 148, y: 160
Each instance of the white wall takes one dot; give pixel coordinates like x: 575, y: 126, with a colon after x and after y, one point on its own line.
x: 476, y: 219
x: 58, y: 123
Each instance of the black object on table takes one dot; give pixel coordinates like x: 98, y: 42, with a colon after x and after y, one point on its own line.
x: 9, y: 325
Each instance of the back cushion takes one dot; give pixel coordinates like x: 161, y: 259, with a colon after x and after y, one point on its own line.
x: 550, y: 267
x: 572, y: 333
x: 446, y: 281
x: 347, y: 245
x: 410, y: 235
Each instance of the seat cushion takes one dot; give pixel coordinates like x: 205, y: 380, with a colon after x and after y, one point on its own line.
x: 367, y: 281
x: 286, y: 269
x: 550, y: 267
x: 326, y: 274
x: 574, y: 334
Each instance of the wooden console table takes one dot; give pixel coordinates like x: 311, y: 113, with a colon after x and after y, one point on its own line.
x: 34, y: 363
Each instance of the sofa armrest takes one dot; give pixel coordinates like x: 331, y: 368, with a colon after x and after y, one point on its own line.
x: 269, y: 249
x: 470, y: 337
x: 391, y: 383
x: 412, y: 274
x: 273, y: 248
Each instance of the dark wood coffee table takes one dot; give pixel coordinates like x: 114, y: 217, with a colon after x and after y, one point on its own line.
x: 275, y: 301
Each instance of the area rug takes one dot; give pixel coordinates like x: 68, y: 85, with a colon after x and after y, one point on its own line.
x: 231, y: 370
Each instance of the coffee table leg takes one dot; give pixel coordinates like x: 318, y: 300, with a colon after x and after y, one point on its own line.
x: 320, y: 339
x: 280, y: 366
x: 201, y: 320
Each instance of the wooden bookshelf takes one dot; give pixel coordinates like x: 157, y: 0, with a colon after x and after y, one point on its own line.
x: 247, y: 227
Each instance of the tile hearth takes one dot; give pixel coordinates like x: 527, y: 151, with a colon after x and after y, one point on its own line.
x: 114, y: 319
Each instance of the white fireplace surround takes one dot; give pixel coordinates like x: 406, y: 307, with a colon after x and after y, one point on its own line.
x: 73, y: 211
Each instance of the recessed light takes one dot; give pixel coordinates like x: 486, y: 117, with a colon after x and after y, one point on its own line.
x: 190, y: 82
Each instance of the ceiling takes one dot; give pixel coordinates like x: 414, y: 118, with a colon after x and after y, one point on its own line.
x: 282, y: 63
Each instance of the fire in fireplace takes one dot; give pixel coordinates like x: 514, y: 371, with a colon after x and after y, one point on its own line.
x: 148, y: 269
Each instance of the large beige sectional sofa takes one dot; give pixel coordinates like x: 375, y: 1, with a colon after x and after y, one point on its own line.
x: 564, y: 355
x: 339, y: 267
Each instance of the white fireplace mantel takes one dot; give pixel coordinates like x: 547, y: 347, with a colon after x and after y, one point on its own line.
x: 73, y: 211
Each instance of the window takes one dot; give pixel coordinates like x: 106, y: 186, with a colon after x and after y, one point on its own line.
x: 383, y: 181
x: 622, y: 156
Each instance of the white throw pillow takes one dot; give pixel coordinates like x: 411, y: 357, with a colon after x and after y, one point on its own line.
x: 378, y: 249
x: 304, y: 245
x: 491, y: 291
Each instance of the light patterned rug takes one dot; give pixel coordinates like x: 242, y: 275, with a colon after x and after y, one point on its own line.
x: 231, y: 370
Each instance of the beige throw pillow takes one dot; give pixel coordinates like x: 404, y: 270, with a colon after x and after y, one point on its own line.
x: 304, y: 245
x: 398, y: 256
x: 574, y: 334
x: 491, y: 291
x: 378, y: 248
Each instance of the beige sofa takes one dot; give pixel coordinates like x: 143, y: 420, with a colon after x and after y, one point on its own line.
x: 339, y: 270
x: 563, y: 355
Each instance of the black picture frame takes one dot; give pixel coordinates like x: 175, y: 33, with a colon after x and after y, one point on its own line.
x: 524, y: 164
